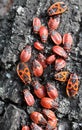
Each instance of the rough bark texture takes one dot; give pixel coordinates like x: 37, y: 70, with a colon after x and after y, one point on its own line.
x: 15, y: 33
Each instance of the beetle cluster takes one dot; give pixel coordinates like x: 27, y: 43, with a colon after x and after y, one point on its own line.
x: 48, y: 93
x: 41, y: 119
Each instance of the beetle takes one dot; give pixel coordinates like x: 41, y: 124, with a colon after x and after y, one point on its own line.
x: 51, y: 91
x: 53, y: 23
x: 72, y: 85
x: 38, y: 46
x: 42, y: 60
x: 49, y: 114
x: 35, y: 127
x: 36, y: 24
x: 38, y: 118
x: 50, y: 59
x: 56, y: 37
x: 49, y: 103
x: 57, y: 8
x: 26, y: 54
x: 37, y: 68
x: 28, y: 97
x: 39, y: 89
x: 67, y: 41
x: 59, y: 51
x: 25, y: 127
x: 59, y: 64
x: 24, y: 72
x: 62, y: 76
x: 51, y: 124
x: 43, y: 32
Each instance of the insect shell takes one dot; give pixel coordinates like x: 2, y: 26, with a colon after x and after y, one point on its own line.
x: 24, y: 72
x: 37, y: 118
x: 72, y: 85
x: 50, y: 59
x: 57, y: 8
x: 49, y: 103
x: 36, y: 24
x: 59, y: 51
x: 43, y: 32
x: 34, y: 126
x: 42, y: 60
x: 39, y: 89
x: 67, y: 41
x: 51, y: 91
x: 28, y: 97
x: 56, y: 37
x: 62, y: 76
x: 59, y: 64
x: 37, y: 68
x: 49, y: 114
x: 53, y: 23
x: 51, y: 124
x: 38, y: 46
x: 25, y: 127
x: 55, y: 128
x: 26, y: 54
